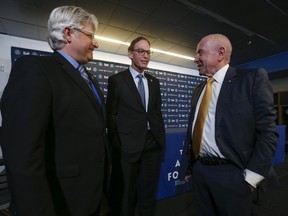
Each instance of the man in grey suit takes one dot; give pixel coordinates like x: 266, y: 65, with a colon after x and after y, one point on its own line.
x: 136, y: 129
x: 239, y: 136
x: 53, y: 129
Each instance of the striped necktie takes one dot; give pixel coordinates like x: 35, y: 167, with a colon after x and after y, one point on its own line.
x: 141, y: 88
x: 85, y: 76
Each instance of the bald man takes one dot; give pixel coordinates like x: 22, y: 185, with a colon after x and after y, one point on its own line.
x: 233, y: 153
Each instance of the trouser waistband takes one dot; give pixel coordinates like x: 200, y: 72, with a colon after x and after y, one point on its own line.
x: 213, y: 161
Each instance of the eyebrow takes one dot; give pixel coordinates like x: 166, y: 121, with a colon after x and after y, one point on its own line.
x: 199, y: 51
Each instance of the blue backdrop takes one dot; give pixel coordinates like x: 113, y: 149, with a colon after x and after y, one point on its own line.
x: 173, y: 167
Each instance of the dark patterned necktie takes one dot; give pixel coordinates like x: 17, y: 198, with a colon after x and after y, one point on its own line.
x: 85, y: 76
x: 141, y: 89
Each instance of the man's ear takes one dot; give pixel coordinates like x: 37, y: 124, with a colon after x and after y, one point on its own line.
x: 130, y: 54
x: 221, y: 53
x: 68, y: 34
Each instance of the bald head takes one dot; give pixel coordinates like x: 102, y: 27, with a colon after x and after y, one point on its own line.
x: 213, y: 52
x: 219, y: 41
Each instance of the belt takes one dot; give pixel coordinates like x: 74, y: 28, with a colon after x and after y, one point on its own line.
x: 212, y: 161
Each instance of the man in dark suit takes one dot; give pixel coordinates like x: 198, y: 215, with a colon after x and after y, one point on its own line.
x: 136, y: 129
x: 53, y: 131
x: 238, y: 141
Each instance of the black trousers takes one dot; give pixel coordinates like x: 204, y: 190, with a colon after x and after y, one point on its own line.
x: 220, y: 190
x: 134, y: 184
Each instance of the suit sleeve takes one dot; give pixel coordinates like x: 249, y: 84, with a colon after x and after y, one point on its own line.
x: 265, y: 127
x: 112, y: 103
x: 154, y: 113
x: 161, y: 136
x: 25, y: 108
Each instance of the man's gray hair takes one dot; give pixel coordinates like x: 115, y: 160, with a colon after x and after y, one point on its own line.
x: 67, y: 16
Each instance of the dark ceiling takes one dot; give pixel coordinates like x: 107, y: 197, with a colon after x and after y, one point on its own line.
x: 257, y: 28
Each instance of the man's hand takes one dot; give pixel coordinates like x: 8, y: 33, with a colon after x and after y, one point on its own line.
x: 187, y: 178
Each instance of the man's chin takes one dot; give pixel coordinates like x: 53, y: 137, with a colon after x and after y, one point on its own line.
x: 143, y: 66
x: 201, y: 73
x: 90, y: 58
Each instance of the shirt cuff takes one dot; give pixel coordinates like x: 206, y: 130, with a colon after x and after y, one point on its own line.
x: 252, y: 178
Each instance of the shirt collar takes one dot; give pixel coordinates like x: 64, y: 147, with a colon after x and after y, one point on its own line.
x: 69, y: 58
x: 220, y: 74
x: 134, y: 73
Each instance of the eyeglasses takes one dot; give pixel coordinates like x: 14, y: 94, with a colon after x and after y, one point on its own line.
x: 88, y: 34
x: 143, y: 52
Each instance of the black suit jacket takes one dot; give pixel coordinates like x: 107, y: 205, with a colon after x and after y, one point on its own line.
x: 127, y: 117
x: 53, y: 138
x: 245, y: 130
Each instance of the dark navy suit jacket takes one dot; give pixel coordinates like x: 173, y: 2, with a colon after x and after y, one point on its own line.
x: 127, y: 117
x: 53, y: 138
x: 245, y: 130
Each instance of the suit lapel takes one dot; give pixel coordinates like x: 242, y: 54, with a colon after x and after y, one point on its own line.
x: 76, y: 77
x: 225, y: 91
x: 96, y: 84
x: 130, y: 82
x: 197, y: 94
x: 195, y: 98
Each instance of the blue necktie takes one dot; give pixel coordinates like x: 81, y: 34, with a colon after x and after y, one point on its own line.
x: 84, y: 74
x: 141, y: 89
